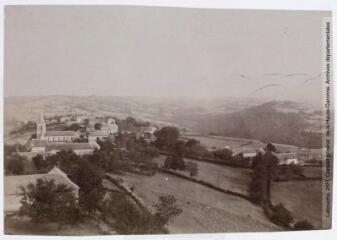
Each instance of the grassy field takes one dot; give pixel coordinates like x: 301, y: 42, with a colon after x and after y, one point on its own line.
x: 225, y: 177
x: 302, y: 198
x: 204, y: 210
x: 313, y: 172
x: 23, y: 226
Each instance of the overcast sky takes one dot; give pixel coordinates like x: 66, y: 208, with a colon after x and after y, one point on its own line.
x: 162, y: 52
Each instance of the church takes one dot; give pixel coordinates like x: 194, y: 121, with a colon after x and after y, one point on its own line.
x: 54, y: 136
x: 51, y: 142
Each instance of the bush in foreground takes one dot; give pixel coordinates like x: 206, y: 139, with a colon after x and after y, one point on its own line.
x: 281, y: 216
x: 303, y: 225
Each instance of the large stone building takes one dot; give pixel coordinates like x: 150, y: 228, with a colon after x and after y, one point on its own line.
x: 53, y: 136
x: 51, y: 142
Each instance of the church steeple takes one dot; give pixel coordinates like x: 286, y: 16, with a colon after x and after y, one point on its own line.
x: 41, y: 127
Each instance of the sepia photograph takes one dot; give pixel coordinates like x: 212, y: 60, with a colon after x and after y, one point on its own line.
x: 132, y: 120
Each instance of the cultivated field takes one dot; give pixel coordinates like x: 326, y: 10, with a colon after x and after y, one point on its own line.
x: 302, y: 198
x: 204, y: 209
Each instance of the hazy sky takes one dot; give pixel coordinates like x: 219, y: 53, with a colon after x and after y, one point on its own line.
x: 151, y: 51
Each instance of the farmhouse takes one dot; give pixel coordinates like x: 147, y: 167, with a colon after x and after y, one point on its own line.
x: 287, y: 158
x: 13, y: 186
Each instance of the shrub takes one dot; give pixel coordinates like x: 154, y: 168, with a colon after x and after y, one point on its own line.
x: 192, y: 167
x: 223, y: 154
x: 166, y: 209
x: 14, y: 164
x: 303, y: 225
x: 281, y: 216
x: 175, y: 163
x: 39, y: 162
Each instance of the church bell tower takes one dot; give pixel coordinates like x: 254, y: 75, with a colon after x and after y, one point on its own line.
x: 41, y: 128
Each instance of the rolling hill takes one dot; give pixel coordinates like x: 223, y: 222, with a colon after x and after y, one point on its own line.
x: 277, y: 121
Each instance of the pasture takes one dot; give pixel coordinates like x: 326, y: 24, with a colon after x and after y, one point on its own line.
x: 204, y: 210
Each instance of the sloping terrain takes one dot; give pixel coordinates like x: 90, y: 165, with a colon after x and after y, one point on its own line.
x: 204, y: 210
x: 278, y: 121
x: 302, y: 198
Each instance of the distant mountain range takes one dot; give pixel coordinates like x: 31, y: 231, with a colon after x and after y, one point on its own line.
x: 277, y: 121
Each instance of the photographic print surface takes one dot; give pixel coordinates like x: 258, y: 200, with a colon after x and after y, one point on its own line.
x: 161, y: 120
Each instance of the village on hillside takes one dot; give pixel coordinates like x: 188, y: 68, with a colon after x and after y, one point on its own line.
x: 124, y: 156
x: 137, y: 120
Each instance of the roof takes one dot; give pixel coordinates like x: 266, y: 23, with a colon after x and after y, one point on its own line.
x: 39, y: 143
x: 60, y: 133
x: 13, y: 183
x: 13, y: 186
x: 69, y: 146
x: 98, y: 133
x: 249, y: 154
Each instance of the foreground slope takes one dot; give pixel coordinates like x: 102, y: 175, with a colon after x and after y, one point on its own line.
x: 204, y: 210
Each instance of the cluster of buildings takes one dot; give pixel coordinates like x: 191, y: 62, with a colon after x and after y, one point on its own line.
x: 81, y: 142
x: 50, y: 142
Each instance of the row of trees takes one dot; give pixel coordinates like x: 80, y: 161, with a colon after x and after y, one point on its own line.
x: 265, y: 170
x: 168, y: 140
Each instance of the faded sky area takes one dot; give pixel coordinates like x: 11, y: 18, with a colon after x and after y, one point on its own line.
x: 163, y: 52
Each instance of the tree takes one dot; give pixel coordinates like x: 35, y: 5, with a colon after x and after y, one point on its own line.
x: 47, y: 201
x: 89, y: 179
x: 175, y: 163
x: 86, y: 122
x: 14, y: 164
x: 223, y: 154
x: 179, y: 148
x: 194, y: 148
x: 303, y: 225
x: 98, y: 126
x: 257, y: 188
x: 166, y: 138
x: 166, y: 209
x: 74, y: 127
x: 123, y: 215
x: 270, y: 161
x: 192, y: 167
x: 39, y: 161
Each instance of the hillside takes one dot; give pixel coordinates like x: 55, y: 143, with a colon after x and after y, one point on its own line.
x: 278, y: 121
